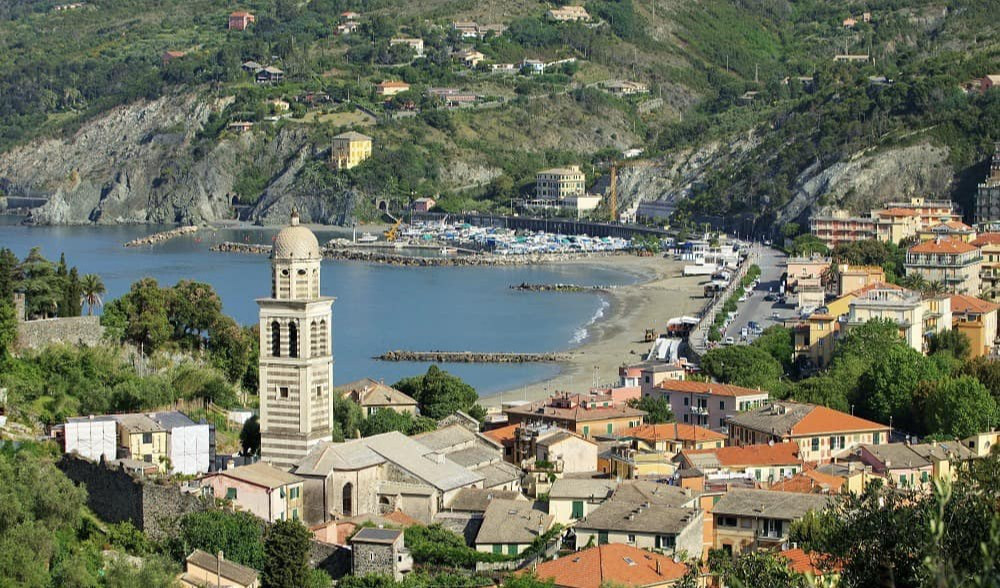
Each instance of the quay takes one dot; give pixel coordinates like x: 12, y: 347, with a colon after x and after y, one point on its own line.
x: 471, y: 357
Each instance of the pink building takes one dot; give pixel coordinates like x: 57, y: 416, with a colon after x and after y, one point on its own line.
x: 423, y: 204
x: 240, y: 20
x: 261, y: 489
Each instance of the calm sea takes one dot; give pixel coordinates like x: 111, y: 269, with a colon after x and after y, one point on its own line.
x: 378, y: 308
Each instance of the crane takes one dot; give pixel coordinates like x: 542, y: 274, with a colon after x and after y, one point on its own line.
x: 393, y: 231
x: 613, y: 192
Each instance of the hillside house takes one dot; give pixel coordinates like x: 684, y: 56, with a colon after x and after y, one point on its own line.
x: 412, y: 42
x: 391, y: 88
x: 269, y: 75
x: 265, y: 491
x: 754, y: 519
x: 202, y: 569
x: 568, y: 14
x: 241, y: 20
x: 348, y: 150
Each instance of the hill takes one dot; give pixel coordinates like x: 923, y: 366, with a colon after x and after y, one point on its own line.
x: 748, y: 120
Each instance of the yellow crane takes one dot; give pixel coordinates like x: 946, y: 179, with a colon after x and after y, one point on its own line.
x: 393, y: 231
x: 613, y: 192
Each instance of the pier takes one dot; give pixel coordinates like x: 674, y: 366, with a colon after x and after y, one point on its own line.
x: 162, y: 236
x: 471, y: 357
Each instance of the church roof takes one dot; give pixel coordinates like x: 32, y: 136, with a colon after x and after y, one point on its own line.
x: 295, y: 242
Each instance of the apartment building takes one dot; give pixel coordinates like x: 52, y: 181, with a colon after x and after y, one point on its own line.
x: 947, y: 230
x: 708, y: 404
x: 893, y: 223
x: 988, y: 192
x: 989, y: 273
x: 560, y: 183
x: 838, y: 226
x: 350, y: 149
x: 916, y: 316
x: 977, y: 320
x: 814, y: 339
x: 953, y: 262
x: 821, y: 433
x: 854, y: 277
x: 584, y: 415
x: 755, y: 519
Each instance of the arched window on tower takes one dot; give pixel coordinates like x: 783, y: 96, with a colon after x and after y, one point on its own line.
x: 293, y: 340
x: 313, y: 339
x: 324, y: 343
x: 276, y: 339
x: 346, y: 499
x: 315, y: 283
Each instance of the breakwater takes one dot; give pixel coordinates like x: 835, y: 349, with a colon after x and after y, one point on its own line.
x: 471, y: 357
x: 396, y: 259
x: 162, y: 236
x: 525, y: 287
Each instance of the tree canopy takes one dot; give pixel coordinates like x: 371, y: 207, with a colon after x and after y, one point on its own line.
x: 439, y: 393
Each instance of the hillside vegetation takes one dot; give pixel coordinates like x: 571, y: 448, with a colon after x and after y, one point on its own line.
x: 67, y: 72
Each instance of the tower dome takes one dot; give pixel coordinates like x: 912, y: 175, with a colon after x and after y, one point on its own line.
x: 295, y: 242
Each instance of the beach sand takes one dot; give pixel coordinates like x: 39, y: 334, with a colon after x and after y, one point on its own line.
x: 617, y: 337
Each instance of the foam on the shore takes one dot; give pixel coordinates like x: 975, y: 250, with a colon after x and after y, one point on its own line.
x: 580, y: 335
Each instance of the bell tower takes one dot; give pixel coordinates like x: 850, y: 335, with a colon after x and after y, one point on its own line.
x: 296, y: 353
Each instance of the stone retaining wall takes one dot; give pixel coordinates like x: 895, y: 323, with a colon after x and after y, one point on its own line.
x: 73, y: 330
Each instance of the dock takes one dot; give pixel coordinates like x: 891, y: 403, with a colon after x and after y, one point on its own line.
x: 471, y: 357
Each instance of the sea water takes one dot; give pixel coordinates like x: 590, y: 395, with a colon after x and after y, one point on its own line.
x: 378, y: 307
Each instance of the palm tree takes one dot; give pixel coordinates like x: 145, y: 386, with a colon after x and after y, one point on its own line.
x: 93, y: 289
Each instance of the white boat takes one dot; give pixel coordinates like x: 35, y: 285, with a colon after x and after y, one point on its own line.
x: 448, y: 251
x: 367, y: 238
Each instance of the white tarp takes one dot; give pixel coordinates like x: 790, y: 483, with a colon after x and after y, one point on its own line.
x: 92, y: 438
x: 189, y: 449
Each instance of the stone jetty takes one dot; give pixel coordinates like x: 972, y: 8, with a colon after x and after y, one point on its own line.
x: 471, y: 357
x: 526, y: 287
x: 162, y: 236
x: 252, y: 248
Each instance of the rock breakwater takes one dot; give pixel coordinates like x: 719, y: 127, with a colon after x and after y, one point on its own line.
x: 162, y: 236
x: 525, y: 287
x: 471, y: 357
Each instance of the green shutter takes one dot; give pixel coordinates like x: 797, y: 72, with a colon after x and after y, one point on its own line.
x: 497, y: 549
x: 231, y: 493
x: 577, y: 509
x: 602, y: 537
x: 611, y: 428
x: 586, y: 430
x: 512, y: 549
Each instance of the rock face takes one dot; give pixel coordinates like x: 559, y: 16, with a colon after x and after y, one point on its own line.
x: 144, y: 163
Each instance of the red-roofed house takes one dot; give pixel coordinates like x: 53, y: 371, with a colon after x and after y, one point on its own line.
x: 612, y: 564
x: 586, y: 415
x: 811, y: 562
x: 952, y: 262
x: 820, y: 432
x: 506, y: 437
x: 241, y: 20
x: 953, y: 229
x: 977, y: 320
x: 673, y: 437
x: 989, y: 274
x: 810, y: 482
x: 391, y: 88
x: 707, y: 404
x: 766, y: 462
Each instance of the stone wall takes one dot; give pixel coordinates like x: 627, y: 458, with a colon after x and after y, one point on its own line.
x: 115, y: 496
x: 333, y: 559
x: 373, y: 558
x: 77, y: 329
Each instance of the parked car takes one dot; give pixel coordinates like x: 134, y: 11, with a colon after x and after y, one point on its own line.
x: 729, y: 341
x: 770, y: 298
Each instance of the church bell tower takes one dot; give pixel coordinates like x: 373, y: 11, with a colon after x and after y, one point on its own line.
x: 296, y: 354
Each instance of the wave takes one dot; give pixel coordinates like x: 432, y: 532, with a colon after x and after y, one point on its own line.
x: 580, y: 334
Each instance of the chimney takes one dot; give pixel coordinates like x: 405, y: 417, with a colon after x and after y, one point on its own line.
x: 658, y: 567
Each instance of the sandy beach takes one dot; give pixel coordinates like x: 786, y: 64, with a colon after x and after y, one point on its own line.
x: 617, y: 337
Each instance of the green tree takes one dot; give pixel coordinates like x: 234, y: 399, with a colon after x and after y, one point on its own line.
x: 958, y: 407
x: 887, y: 388
x: 743, y: 365
x: 8, y: 327
x: 92, y: 292
x: 286, y: 555
x: 154, y: 572
x: 71, y: 304
x: 145, y: 310
x: 807, y: 244
x: 193, y: 309
x: 10, y: 274
x: 385, y: 420
x: 347, y: 418
x: 987, y: 371
x: 529, y: 580
x: 778, y: 342
x: 438, y: 393
x: 231, y: 347
x: 239, y: 535
x: 954, y: 342
x: 758, y: 568
x: 250, y: 436
x: 657, y: 409
x: 41, y: 284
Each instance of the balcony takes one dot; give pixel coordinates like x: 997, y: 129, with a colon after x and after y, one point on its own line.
x: 702, y: 410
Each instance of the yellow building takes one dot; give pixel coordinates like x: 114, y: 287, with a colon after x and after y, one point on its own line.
x: 855, y: 277
x: 916, y: 316
x: 349, y: 149
x: 145, y: 439
x: 989, y: 274
x: 560, y: 183
x: 949, y: 230
x: 892, y: 225
x: 977, y: 320
x: 814, y: 339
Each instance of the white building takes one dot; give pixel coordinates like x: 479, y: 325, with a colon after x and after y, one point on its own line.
x: 92, y: 437
x: 188, y: 443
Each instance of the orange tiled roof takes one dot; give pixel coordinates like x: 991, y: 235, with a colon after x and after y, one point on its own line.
x: 673, y: 431
x: 986, y: 239
x: 502, y: 435
x: 826, y: 420
x: 954, y: 225
x: 810, y: 562
x: 752, y: 455
x: 943, y: 246
x: 614, y: 563
x: 394, y: 84
x: 898, y: 212
x: 690, y: 386
x: 809, y: 482
x: 402, y: 519
x: 964, y: 304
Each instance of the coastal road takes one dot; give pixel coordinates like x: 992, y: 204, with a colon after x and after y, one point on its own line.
x: 772, y: 265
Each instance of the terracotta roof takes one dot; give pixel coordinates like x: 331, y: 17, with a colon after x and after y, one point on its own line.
x: 943, y: 246
x: 748, y: 455
x: 809, y: 562
x: 544, y: 409
x: 897, y: 212
x: 614, y: 563
x: 826, y: 420
x: 393, y: 84
x: 986, y: 239
x: 810, y: 482
x: 961, y: 303
x: 402, y: 519
x: 229, y: 570
x: 714, y: 388
x: 673, y: 431
x: 953, y: 225
x: 503, y: 435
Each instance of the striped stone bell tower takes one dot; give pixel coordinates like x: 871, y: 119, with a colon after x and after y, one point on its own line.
x: 296, y: 354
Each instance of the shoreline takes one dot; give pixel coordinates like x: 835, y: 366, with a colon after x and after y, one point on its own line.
x: 617, y: 336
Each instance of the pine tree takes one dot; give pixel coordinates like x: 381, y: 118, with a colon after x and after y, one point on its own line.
x: 286, y: 555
